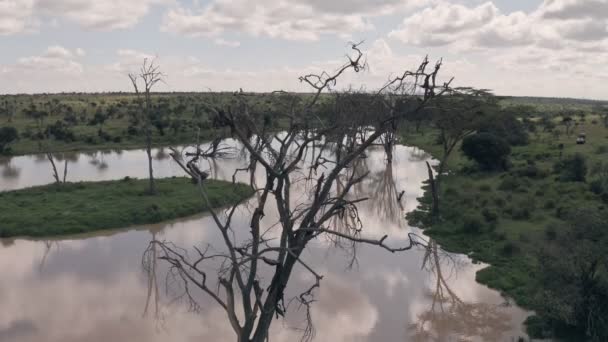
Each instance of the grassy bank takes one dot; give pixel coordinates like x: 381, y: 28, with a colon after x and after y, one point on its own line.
x: 88, y: 206
x: 512, y: 219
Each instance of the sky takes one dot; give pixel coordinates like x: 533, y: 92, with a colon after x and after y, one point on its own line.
x: 556, y: 48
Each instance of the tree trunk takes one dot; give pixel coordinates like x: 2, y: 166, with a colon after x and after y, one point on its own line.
x: 55, y: 173
x: 433, y: 183
x: 151, y: 185
x: 275, y: 295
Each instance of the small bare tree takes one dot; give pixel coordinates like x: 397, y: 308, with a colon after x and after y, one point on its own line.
x: 331, y: 144
x: 150, y: 75
x: 58, y: 180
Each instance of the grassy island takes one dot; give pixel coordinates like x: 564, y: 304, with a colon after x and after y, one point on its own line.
x: 72, y: 208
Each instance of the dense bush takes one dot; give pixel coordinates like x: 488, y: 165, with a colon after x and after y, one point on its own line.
x: 575, y: 287
x: 572, y: 168
x: 510, y: 183
x: 489, y: 215
x: 60, y: 131
x: 506, y: 126
x: 473, y: 224
x: 531, y: 170
x: 8, y: 135
x: 489, y: 151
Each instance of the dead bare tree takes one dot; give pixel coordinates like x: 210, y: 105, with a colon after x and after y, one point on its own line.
x: 58, y: 180
x: 250, y: 301
x: 150, y: 75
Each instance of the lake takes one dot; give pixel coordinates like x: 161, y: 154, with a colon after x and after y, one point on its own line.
x: 94, y: 287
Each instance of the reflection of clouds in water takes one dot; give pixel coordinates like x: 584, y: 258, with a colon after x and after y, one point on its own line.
x: 22, y: 258
x: 67, y: 308
x: 450, y: 311
x: 99, y: 283
x: 392, y: 279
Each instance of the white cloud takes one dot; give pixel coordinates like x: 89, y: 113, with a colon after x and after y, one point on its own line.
x: 15, y: 16
x: 554, y: 24
x: 98, y: 14
x: 228, y: 43
x: 55, y: 59
x: 276, y: 19
x: 297, y: 20
x: 572, y: 9
x: 57, y: 51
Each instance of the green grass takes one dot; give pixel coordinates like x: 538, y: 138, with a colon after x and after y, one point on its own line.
x: 525, y: 207
x: 185, y: 117
x: 74, y: 208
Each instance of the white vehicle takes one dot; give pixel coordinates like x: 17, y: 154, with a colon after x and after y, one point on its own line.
x: 582, y: 139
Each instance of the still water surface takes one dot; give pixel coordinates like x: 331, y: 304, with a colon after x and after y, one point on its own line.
x: 93, y: 288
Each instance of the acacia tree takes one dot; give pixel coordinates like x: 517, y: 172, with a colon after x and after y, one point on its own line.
x: 456, y: 115
x: 250, y: 301
x: 567, y: 121
x: 150, y: 75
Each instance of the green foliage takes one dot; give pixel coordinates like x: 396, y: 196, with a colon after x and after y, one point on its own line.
x: 473, y: 224
x: 534, y: 217
x: 82, y: 207
x: 114, y: 121
x: 573, y: 275
x: 489, y: 151
x: 506, y: 126
x: 8, y: 135
x: 572, y: 168
x: 60, y: 131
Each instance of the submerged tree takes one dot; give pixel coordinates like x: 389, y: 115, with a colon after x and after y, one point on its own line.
x: 150, y: 75
x: 251, y: 301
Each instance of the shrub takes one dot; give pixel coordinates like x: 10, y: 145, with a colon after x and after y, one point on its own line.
x: 509, y: 183
x: 509, y: 249
x: 499, y: 201
x: 472, y: 224
x: 572, y: 168
x: 8, y: 135
x: 521, y: 213
x: 507, y: 127
x: 485, y: 188
x: 489, y: 215
x: 489, y: 151
x: 60, y: 131
x: 550, y: 232
x: 598, y: 186
x: 601, y: 149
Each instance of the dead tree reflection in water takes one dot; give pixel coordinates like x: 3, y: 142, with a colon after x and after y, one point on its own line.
x: 149, y: 265
x: 250, y: 299
x: 48, y: 246
x: 9, y: 171
x: 161, y: 154
x: 385, y: 198
x: 450, y: 318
